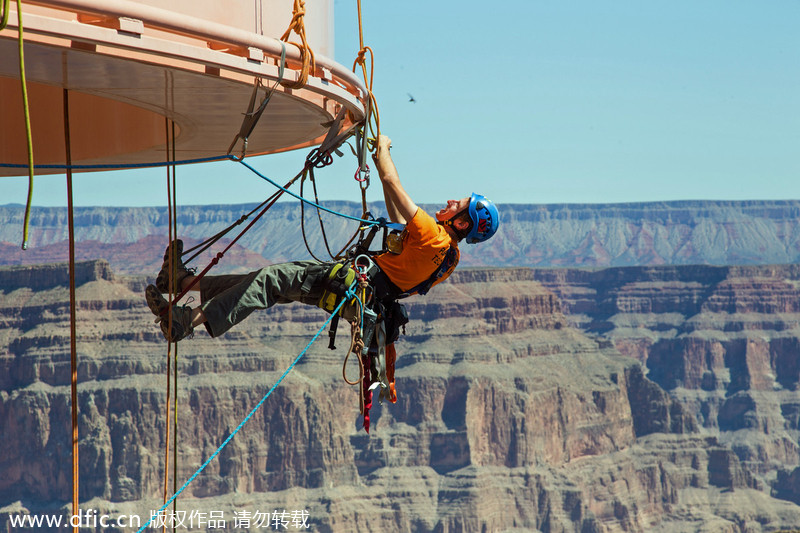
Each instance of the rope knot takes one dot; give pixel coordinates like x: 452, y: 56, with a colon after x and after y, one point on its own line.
x: 306, y: 54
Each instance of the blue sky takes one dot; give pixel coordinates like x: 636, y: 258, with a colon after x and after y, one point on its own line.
x: 544, y: 102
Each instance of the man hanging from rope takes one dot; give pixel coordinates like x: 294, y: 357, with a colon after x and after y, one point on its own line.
x: 429, y: 254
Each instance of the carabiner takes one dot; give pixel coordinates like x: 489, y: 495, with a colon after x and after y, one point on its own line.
x: 362, y: 170
x: 363, y: 264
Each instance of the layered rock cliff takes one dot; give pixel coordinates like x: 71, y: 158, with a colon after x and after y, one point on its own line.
x: 724, y: 341
x: 510, y: 416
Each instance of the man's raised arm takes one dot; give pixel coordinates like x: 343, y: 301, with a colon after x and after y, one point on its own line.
x: 399, y: 205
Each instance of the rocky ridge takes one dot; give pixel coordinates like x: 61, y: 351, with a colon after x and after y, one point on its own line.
x: 685, y: 232
x: 519, y: 408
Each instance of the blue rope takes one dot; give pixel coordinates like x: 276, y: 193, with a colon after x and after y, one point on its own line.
x: 120, y: 166
x: 309, y: 202
x: 190, y: 162
x: 349, y: 295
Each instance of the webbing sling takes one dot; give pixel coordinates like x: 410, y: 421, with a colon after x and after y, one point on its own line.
x: 252, y: 116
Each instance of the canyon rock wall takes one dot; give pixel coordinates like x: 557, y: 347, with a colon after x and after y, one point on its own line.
x: 724, y: 341
x: 528, y: 400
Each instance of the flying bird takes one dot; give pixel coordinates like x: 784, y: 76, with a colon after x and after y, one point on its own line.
x: 411, y: 98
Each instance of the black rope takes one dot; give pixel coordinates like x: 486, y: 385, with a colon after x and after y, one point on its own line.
x: 319, y: 217
x: 319, y: 161
x: 208, y: 243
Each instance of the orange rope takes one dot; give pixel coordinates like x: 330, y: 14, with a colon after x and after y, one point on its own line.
x: 373, y: 117
x: 174, y: 290
x: 306, y: 54
x: 171, y: 261
x: 172, y: 361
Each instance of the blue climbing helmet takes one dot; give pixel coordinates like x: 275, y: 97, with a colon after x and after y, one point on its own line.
x: 485, y: 219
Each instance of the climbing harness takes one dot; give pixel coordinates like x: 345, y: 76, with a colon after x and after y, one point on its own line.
x: 392, y: 242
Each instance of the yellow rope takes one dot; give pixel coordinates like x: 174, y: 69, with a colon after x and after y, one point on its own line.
x: 26, y: 109
x: 4, y: 18
x: 306, y: 54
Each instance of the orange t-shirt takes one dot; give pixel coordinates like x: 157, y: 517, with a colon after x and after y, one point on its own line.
x: 425, y: 244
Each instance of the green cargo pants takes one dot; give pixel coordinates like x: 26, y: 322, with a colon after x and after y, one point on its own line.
x: 228, y: 299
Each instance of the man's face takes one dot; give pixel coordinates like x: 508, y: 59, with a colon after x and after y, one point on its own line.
x: 453, y: 208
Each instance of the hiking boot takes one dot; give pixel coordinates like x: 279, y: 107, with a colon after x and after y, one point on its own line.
x: 162, y: 280
x: 181, y: 315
